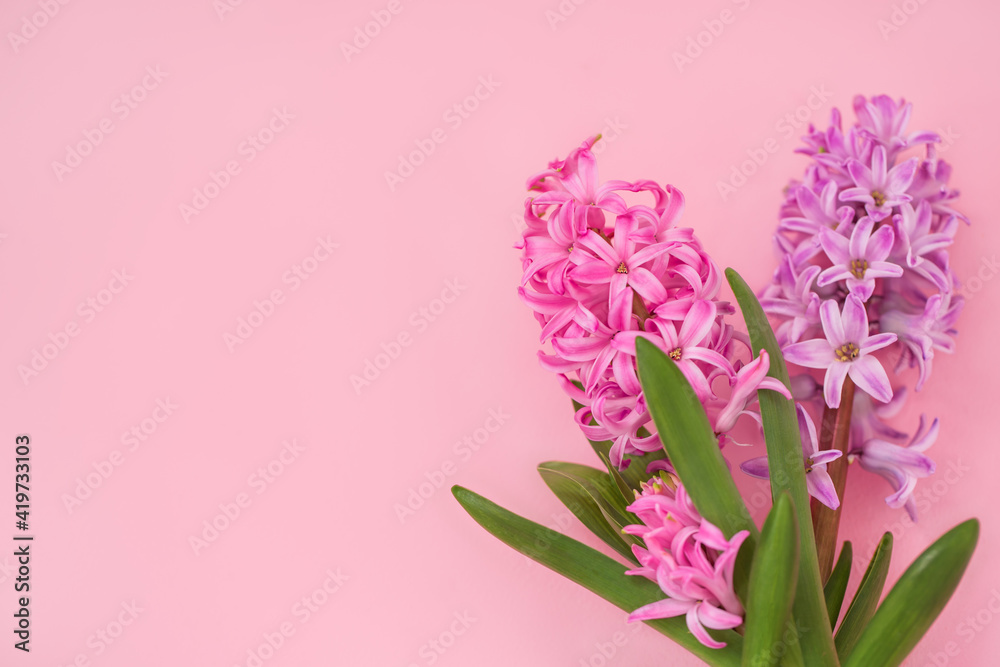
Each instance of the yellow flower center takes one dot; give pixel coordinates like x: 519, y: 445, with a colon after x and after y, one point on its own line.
x: 675, y: 354
x: 858, y: 268
x: 622, y: 268
x: 878, y: 197
x: 847, y: 352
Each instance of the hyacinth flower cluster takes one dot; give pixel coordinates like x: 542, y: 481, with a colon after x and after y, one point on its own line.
x: 629, y: 309
x: 688, y: 557
x: 864, y: 275
x: 601, y: 270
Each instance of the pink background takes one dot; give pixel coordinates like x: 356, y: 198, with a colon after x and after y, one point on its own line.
x: 554, y: 78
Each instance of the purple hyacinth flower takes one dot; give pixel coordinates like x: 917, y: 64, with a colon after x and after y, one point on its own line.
x: 818, y: 480
x: 846, y: 351
x: 860, y: 259
x: 877, y: 188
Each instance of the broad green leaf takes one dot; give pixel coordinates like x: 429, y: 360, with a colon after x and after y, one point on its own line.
x: 594, y: 571
x: 772, y: 588
x: 836, y: 585
x: 865, y: 599
x: 916, y: 600
x: 784, y: 454
x: 692, y: 446
x: 581, y: 502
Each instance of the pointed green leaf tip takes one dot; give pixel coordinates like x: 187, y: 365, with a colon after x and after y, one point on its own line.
x: 865, y: 599
x: 836, y: 585
x: 594, y: 571
x: 916, y: 600
x: 772, y: 589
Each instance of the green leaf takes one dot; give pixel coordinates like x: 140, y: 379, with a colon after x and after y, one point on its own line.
x: 784, y: 455
x: 625, y: 491
x: 916, y: 600
x: 592, y: 498
x: 865, y: 599
x: 691, y: 445
x: 772, y: 587
x: 836, y: 585
x: 594, y: 571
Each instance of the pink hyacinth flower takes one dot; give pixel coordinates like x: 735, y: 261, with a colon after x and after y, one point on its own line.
x: 689, y: 558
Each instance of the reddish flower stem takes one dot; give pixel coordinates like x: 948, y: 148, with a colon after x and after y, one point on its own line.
x: 834, y: 434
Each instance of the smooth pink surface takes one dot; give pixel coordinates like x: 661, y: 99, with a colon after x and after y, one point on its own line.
x: 607, y: 67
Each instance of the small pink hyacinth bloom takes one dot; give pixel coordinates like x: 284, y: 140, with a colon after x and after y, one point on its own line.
x: 818, y: 480
x: 750, y: 378
x: 846, y: 351
x: 859, y: 260
x: 619, y: 263
x: 689, y: 558
x: 878, y: 188
x: 901, y: 466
